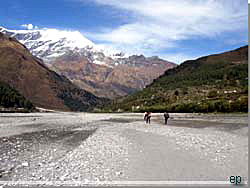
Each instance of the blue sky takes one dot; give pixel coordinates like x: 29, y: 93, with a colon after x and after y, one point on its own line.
x: 175, y: 30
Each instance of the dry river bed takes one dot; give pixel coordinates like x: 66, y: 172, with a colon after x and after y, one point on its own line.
x: 121, y: 147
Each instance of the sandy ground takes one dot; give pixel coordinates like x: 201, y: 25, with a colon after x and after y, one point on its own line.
x: 109, y: 147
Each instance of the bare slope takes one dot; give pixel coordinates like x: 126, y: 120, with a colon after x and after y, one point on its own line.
x: 110, y: 81
x: 43, y: 87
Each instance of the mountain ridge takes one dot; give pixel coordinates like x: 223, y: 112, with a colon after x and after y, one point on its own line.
x: 50, y: 43
x: 215, y: 83
x: 35, y: 81
x: 90, y: 68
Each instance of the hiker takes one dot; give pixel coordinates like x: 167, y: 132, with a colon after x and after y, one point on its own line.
x: 148, y: 116
x: 166, y: 116
x: 145, y: 116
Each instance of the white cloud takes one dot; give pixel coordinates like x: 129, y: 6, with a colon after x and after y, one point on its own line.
x: 29, y: 26
x: 159, y: 24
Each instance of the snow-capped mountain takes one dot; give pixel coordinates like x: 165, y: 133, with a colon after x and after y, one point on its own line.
x: 102, y: 71
x: 49, y: 44
x: 33, y: 80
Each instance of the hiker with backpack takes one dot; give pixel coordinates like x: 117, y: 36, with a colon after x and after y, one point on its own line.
x: 147, y: 116
x: 166, y: 116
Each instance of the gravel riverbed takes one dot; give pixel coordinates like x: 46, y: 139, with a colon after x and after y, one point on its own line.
x: 119, y: 147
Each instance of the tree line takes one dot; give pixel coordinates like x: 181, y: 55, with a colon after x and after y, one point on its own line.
x: 11, y: 98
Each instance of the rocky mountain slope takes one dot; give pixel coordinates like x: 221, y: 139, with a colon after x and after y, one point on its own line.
x: 35, y: 81
x: 104, y: 72
x: 108, y: 81
x: 215, y: 83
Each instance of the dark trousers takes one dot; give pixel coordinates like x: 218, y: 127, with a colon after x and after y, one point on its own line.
x: 166, y: 121
x: 148, y: 120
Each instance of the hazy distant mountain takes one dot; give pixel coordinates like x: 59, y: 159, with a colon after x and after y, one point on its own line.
x: 107, y: 81
x: 208, y: 84
x: 32, y: 78
x: 104, y: 72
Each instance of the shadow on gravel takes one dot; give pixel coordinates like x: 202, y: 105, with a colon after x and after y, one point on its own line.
x: 6, y: 116
x: 121, y: 120
x: 33, y: 125
x: 204, y: 124
x: 61, y: 136
x: 15, y: 149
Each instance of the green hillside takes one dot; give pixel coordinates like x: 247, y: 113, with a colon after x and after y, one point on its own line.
x: 10, y: 98
x: 216, y: 83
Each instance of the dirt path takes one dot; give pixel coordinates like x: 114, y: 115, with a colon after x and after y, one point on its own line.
x: 158, y: 158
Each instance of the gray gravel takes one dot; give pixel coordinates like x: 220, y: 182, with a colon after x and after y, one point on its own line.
x: 109, y: 147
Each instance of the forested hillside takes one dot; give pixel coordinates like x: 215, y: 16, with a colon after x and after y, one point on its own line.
x: 10, y: 98
x: 216, y: 83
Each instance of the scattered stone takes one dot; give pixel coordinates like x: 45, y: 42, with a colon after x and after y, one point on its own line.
x: 25, y: 164
x: 118, y: 173
x: 40, y: 164
x: 203, y: 147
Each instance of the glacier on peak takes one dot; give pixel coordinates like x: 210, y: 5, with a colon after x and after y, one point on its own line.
x: 50, y: 43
